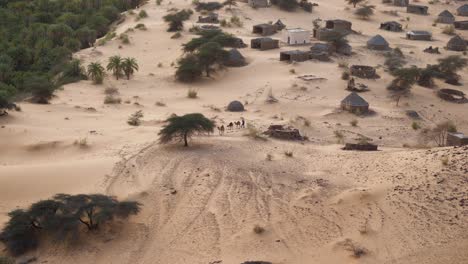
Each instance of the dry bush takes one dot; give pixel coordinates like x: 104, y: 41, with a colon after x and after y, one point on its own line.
x: 271, y: 98
x: 353, y: 123
x: 289, y: 154
x: 111, y: 90
x: 111, y: 99
x: 449, y: 30
x: 258, y: 229
x: 269, y: 157
x: 160, y: 103
x: 82, y: 142
x: 339, y: 136
x: 192, y: 93
x: 254, y: 133
x: 444, y: 161
x: 135, y: 118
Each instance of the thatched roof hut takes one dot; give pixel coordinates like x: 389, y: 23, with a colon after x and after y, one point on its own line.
x: 234, y: 59
x: 445, y: 17
x: 377, y: 42
x: 456, y: 43
x: 235, y: 106
x: 355, y: 104
x: 463, y: 10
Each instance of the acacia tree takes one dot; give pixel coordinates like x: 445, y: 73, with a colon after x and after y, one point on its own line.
x: 115, y: 65
x: 365, y: 11
x: 61, y: 217
x: 96, y: 72
x: 188, y: 69
x: 449, y: 67
x: 129, y: 66
x: 354, y: 2
x: 405, y: 78
x: 176, y: 20
x: 184, y: 127
x: 439, y: 132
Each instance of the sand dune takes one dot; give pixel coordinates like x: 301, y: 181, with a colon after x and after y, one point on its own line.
x: 201, y: 204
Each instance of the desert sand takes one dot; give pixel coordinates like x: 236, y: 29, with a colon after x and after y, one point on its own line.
x: 201, y: 204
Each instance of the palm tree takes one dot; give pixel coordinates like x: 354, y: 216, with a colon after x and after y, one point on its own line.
x: 183, y: 127
x: 96, y: 72
x: 129, y: 66
x: 115, y: 65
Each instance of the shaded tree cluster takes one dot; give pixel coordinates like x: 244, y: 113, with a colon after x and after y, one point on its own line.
x: 182, y: 128
x: 176, y: 19
x: 202, y: 54
x: 62, y: 217
x: 37, y: 38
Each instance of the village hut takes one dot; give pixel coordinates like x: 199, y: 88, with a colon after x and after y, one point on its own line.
x: 418, y: 35
x: 211, y: 18
x: 456, y: 139
x: 344, y: 49
x: 363, y: 71
x: 461, y: 24
x: 322, y: 48
x: 264, y: 29
x: 234, y: 59
x: 391, y: 26
x: 294, y: 55
x: 339, y: 25
x: 456, y: 43
x: 279, y: 25
x: 296, y: 36
x: 258, y: 3
x: 463, y: 10
x: 264, y: 43
x: 401, y: 2
x: 325, y: 34
x: 355, y: 104
x: 445, y: 17
x: 417, y: 9
x: 235, y: 106
x: 238, y: 43
x: 377, y: 42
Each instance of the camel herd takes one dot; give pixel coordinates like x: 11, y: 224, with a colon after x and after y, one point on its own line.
x: 230, y: 126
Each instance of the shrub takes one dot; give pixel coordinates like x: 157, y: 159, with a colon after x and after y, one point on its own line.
x: 289, y: 154
x: 176, y: 35
x: 254, y: 133
x: 160, y: 103
x: 82, y: 142
x: 111, y: 99
x: 142, y: 14
x: 192, y: 93
x: 444, y: 161
x: 111, y: 90
x: 124, y: 39
x: 141, y: 26
x: 258, y: 229
x: 365, y: 11
x: 135, y: 118
x: 269, y: 157
x: 415, y: 125
x: 345, y: 75
x: 354, y: 122
x: 449, y: 30
x: 339, y: 136
x: 176, y: 19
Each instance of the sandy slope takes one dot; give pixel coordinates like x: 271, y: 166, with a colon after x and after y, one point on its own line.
x: 386, y: 202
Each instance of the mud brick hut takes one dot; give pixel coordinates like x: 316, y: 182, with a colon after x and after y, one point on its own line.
x: 400, y: 2
x: 419, y: 35
x: 264, y: 29
x: 355, y: 104
x: 363, y: 71
x: 296, y: 36
x: 391, y: 26
x: 211, y: 18
x: 462, y: 25
x: 417, y: 9
x: 258, y: 3
x: 294, y: 55
x: 264, y: 43
x: 456, y: 139
x: 339, y: 25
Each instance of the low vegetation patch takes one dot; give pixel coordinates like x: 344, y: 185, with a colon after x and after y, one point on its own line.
x: 135, y: 118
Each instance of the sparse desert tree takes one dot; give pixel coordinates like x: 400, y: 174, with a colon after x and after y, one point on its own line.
x: 287, y: 5
x: 405, y: 78
x: 129, y: 66
x: 176, y: 20
x: 438, y: 133
x: 394, y: 59
x: 96, y: 72
x: 181, y: 128
x: 135, y: 118
x: 449, y: 66
x: 115, y: 65
x: 427, y: 75
x: 61, y: 217
x: 354, y: 2
x: 365, y: 11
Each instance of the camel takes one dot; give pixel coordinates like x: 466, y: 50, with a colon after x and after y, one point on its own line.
x: 221, y: 130
x: 238, y: 124
x: 230, y: 126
